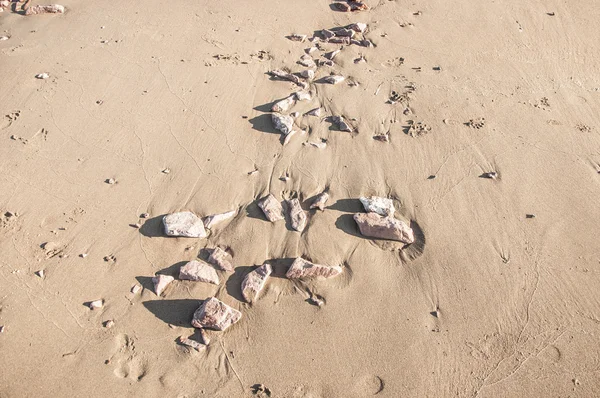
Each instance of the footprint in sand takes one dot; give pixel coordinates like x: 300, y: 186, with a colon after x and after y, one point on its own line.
x: 369, y: 385
x: 127, y: 363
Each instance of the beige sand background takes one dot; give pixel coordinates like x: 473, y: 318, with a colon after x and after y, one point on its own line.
x: 517, y: 298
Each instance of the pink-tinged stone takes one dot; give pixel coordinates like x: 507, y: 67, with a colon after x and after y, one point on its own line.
x: 191, y: 343
x: 297, y: 215
x: 288, y: 76
x: 215, y: 314
x: 161, y: 282
x: 185, y: 224
x: 220, y: 258
x: 271, y: 207
x: 358, y: 27
x: 284, y: 104
x: 305, y: 269
x: 333, y: 79
x: 375, y: 226
x: 49, y: 9
x: 94, y: 305
x: 283, y: 123
x: 215, y: 219
x: 199, y: 271
x: 204, y: 336
x: 320, y: 201
x: 254, y: 282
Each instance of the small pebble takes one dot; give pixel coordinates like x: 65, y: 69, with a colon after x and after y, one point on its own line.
x: 110, y: 181
x: 40, y: 273
x: 530, y: 215
x: 83, y: 255
x: 166, y: 171
x: 42, y: 76
x: 109, y: 324
x: 136, y: 225
x: 144, y: 215
x: 2, y: 38
x: 135, y: 289
x: 1, y: 329
x: 96, y: 304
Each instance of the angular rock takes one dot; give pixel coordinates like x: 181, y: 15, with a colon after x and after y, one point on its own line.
x: 185, y: 224
x: 375, y: 226
x: 297, y: 215
x: 379, y: 205
x: 198, y: 271
x: 357, y: 6
x: 341, y: 123
x: 302, y: 95
x: 314, y: 112
x: 287, y: 76
x: 215, y: 219
x: 331, y: 55
x: 340, y: 40
x: 295, y: 37
x: 334, y: 79
x: 327, y: 34
x: 161, y: 282
x: 220, y: 258
x: 94, y: 305
x: 215, y: 314
x: 254, y: 282
x: 49, y: 9
x: 306, y: 60
x: 204, y: 337
x: 191, y: 343
x: 284, y: 104
x: 271, y: 207
x: 320, y: 201
x: 43, y: 76
x: 283, y: 123
x: 344, y: 32
x: 310, y: 50
x: 308, y: 74
x: 358, y: 27
x: 302, y: 268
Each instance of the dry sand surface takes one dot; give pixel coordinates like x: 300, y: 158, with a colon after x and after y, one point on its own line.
x: 154, y: 107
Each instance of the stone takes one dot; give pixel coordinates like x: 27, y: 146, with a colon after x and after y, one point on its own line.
x: 357, y: 6
x: 341, y: 123
x: 308, y: 74
x: 198, y: 271
x: 320, y: 201
x: 287, y: 76
x: 318, y: 144
x: 283, y: 123
x: 344, y: 32
x: 204, y: 337
x: 307, y: 61
x: 327, y: 34
x: 302, y: 95
x: 295, y: 37
x: 161, y: 282
x: 314, y: 112
x: 297, y: 215
x: 284, y: 104
x: 215, y: 219
x: 334, y: 79
x: 3, y: 38
x: 144, y: 215
x: 491, y: 175
x: 375, y: 226
x: 379, y: 205
x: 302, y: 268
x: 310, y: 50
x: 271, y: 207
x: 358, y: 27
x: 191, y: 343
x: 215, y: 314
x: 341, y: 40
x: 135, y: 289
x: 331, y: 55
x: 109, y: 324
x: 49, y: 9
x: 41, y: 273
x: 185, y: 224
x: 255, y: 281
x: 96, y: 304
x: 42, y: 76
x: 220, y: 258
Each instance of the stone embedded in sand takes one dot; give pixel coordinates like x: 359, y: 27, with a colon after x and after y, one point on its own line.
x: 191, y: 343
x: 185, y: 224
x: 204, y: 337
x: 375, y: 226
x: 342, y: 7
x: 310, y: 50
x: 308, y: 74
x: 49, y: 9
x: 341, y: 40
x: 215, y: 314
x: 302, y: 268
x: 287, y: 76
x: 96, y: 304
x: 42, y: 76
x: 212, y: 221
x: 220, y: 258
x: 198, y: 271
x: 254, y: 282
x: 283, y: 123
x: 2, y: 38
x: 314, y: 112
x: 358, y: 27
x: 357, y: 6
x: 295, y: 37
x: 320, y: 201
x: 109, y: 324
x: 284, y: 104
x: 297, y: 215
x: 331, y: 55
x: 341, y: 123
x: 344, y: 32
x: 271, y: 207
x: 135, y: 289
x: 161, y: 282
x: 303, y: 95
x: 318, y: 144
x: 306, y: 60
x: 491, y: 175
x: 379, y: 205
x: 333, y: 79
x: 327, y: 34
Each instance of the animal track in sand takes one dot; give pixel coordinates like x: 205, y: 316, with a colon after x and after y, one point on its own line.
x: 127, y: 364
x: 10, y: 119
x: 476, y: 123
x: 583, y: 128
x: 417, y: 129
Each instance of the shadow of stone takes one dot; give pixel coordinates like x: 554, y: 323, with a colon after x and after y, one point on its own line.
x: 175, y: 312
x: 153, y: 227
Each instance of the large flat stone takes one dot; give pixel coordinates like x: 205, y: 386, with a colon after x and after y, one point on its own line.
x: 185, y: 224
x: 297, y: 215
x: 271, y: 207
x: 302, y: 268
x: 375, y: 226
x: 199, y: 271
x: 215, y: 314
x: 255, y: 281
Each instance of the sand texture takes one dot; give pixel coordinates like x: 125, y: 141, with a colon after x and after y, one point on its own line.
x: 480, y: 120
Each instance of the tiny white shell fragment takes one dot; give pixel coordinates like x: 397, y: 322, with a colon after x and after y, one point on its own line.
x: 42, y: 76
x: 334, y: 79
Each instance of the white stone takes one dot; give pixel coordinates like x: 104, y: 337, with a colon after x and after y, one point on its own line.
x: 379, y: 205
x: 284, y: 104
x: 283, y: 123
x: 215, y: 219
x: 161, y: 282
x: 302, y: 268
x: 185, y: 224
x: 199, y: 271
x: 334, y: 79
x: 96, y: 304
x: 255, y: 281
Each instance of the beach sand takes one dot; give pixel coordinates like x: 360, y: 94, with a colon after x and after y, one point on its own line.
x: 497, y: 296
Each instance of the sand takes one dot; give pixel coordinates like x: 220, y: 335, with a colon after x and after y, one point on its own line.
x: 172, y: 101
